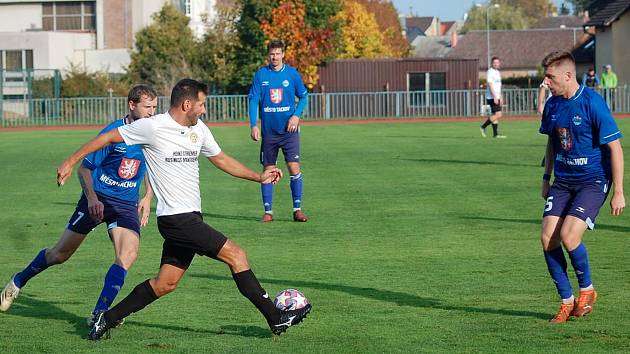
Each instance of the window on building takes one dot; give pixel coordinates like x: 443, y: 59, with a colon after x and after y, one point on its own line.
x: 420, y: 86
x: 69, y: 16
x: 188, y: 7
x: 16, y: 60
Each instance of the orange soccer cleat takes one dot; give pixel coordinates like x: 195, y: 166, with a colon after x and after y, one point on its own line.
x: 585, y: 303
x: 563, y: 313
x: 267, y: 218
x: 299, y: 216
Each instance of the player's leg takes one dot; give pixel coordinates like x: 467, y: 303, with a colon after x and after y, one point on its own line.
x: 268, y: 157
x: 488, y: 120
x: 126, y: 245
x: 550, y: 236
x: 291, y: 151
x: 495, y: 121
x: 586, y: 205
x: 65, y: 247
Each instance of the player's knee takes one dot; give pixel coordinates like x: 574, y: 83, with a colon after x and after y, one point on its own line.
x: 164, y: 287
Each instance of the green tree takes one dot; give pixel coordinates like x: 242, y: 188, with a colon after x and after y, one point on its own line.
x: 78, y: 82
x: 533, y: 10
x: 218, y: 49
x: 165, y: 51
x: 500, y: 18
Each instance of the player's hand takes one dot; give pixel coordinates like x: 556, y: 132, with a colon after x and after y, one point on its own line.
x: 63, y: 172
x: 255, y: 134
x: 545, y: 189
x: 272, y: 175
x: 293, y: 124
x: 617, y: 204
x: 144, y: 209
x: 96, y: 209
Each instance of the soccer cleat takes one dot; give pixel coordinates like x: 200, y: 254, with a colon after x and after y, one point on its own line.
x: 94, y: 316
x: 266, y: 218
x: 100, y: 328
x: 584, y: 304
x: 299, y: 216
x: 9, y: 293
x: 289, y: 318
x: 563, y: 314
x: 483, y: 132
x: 499, y: 136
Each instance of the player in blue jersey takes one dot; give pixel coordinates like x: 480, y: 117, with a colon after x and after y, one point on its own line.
x: 272, y: 96
x: 111, y: 179
x: 585, y: 155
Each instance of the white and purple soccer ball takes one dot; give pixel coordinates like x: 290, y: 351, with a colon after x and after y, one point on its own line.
x: 290, y: 299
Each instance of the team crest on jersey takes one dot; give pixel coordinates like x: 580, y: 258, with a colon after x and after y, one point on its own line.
x: 577, y: 120
x: 285, y: 83
x: 194, y: 138
x: 128, y: 168
x: 565, y: 138
x: 276, y: 95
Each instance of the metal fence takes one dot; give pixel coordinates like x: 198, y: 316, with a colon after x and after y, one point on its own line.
x: 365, y: 105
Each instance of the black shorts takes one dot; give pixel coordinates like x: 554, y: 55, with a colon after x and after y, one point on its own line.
x: 186, y: 235
x: 494, y: 107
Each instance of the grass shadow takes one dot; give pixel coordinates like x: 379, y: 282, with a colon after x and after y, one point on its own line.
x: 230, y: 217
x: 614, y: 228
x: 469, y: 162
x: 396, y: 297
x: 32, y: 307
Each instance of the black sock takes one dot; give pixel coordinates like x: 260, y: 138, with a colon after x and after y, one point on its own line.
x: 141, y: 296
x: 249, y: 286
x: 495, y: 129
x: 486, y: 123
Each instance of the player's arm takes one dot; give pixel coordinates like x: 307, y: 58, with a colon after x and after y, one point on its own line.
x: 95, y: 206
x: 302, y: 94
x: 254, y: 100
x: 548, y: 168
x: 233, y: 167
x: 65, y: 169
x: 542, y: 93
x: 618, y: 201
x: 144, y: 205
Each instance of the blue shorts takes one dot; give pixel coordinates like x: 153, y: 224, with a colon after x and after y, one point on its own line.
x: 582, y: 200
x: 116, y: 214
x: 289, y: 143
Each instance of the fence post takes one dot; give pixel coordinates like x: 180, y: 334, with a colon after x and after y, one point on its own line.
x: 1, y: 97
x: 326, y: 102
x: 397, y: 104
x: 111, y: 104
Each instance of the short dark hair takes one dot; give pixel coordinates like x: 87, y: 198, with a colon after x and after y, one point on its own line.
x: 136, y: 93
x: 187, y: 89
x: 557, y: 57
x: 494, y: 58
x: 275, y: 43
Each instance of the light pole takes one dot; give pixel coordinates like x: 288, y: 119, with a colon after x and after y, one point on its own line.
x: 496, y: 6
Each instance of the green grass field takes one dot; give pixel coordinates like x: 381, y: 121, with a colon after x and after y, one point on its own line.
x: 422, y: 238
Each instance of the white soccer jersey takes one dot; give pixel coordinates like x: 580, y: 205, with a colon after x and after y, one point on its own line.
x: 172, y: 151
x: 493, y: 76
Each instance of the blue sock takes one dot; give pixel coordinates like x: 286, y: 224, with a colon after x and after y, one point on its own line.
x: 579, y: 260
x: 267, y: 196
x: 114, y: 280
x: 37, y: 266
x: 557, y: 265
x: 296, y: 190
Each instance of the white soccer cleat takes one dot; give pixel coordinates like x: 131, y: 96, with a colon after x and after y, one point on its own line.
x: 9, y: 293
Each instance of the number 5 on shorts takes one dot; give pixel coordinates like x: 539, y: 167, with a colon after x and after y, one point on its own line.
x: 549, y: 204
x: 79, y: 218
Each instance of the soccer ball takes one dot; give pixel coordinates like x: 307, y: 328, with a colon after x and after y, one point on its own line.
x: 290, y: 299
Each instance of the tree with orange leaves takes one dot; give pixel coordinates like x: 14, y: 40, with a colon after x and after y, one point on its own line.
x: 306, y: 46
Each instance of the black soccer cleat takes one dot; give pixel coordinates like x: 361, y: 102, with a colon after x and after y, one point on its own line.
x: 290, y: 318
x: 100, y: 328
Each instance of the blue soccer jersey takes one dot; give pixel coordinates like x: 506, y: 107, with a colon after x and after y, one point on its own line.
x: 273, y: 97
x: 580, y: 128
x: 117, y: 169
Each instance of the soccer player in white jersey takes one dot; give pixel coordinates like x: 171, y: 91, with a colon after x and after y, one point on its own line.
x: 172, y: 143
x: 493, y: 98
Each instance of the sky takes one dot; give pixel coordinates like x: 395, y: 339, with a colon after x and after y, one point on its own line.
x: 446, y: 10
